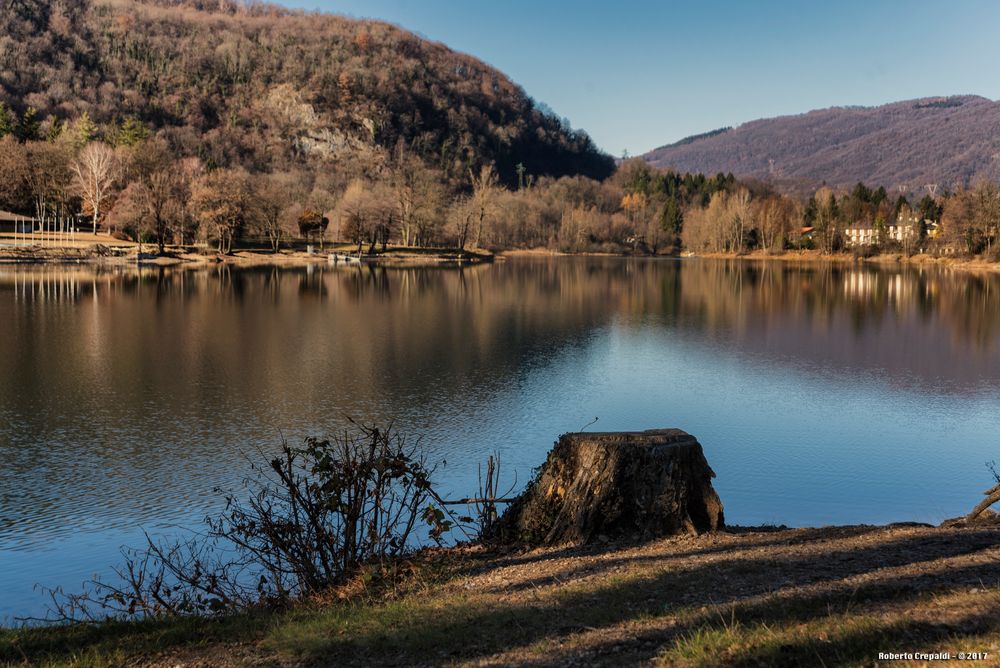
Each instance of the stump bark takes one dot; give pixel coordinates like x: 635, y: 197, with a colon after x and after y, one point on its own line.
x: 633, y: 485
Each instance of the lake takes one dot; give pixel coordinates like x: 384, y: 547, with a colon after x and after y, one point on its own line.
x: 821, y: 394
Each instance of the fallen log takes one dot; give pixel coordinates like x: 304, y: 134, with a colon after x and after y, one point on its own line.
x: 992, y: 496
x: 634, y: 485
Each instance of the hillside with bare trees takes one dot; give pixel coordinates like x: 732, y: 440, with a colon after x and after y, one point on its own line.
x: 905, y: 146
x: 265, y: 88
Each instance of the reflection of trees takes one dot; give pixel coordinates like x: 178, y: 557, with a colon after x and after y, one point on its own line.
x: 533, y: 296
x: 424, y: 314
x: 972, y: 305
x: 728, y: 295
x: 120, y: 370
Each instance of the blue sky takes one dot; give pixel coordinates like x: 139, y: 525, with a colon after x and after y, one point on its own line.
x: 637, y: 75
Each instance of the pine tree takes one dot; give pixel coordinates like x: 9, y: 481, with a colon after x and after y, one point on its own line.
x: 55, y: 130
x: 673, y: 218
x: 84, y: 131
x: 131, y: 132
x: 8, y: 121
x: 30, y: 127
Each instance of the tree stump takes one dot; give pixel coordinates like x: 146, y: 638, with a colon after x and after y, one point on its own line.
x: 616, y: 484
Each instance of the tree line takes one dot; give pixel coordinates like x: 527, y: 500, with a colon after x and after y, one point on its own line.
x: 219, y: 122
x: 127, y: 179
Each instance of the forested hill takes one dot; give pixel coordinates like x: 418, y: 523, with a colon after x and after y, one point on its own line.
x: 944, y: 141
x: 259, y: 86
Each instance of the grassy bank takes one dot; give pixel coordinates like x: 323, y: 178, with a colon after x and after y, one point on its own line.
x: 830, y: 596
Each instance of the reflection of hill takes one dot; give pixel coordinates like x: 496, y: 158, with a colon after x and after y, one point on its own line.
x: 115, y: 383
x: 298, y: 333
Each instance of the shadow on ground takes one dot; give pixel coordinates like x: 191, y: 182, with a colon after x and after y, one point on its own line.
x: 783, y: 598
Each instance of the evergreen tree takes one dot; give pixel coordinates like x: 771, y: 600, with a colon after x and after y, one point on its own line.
x: 29, y: 129
x: 809, y: 215
x: 901, y: 201
x: 834, y: 209
x: 862, y: 193
x: 8, y: 121
x: 929, y: 209
x: 673, y: 218
x: 131, y: 132
x: 55, y: 129
x: 84, y: 131
x: 879, y: 196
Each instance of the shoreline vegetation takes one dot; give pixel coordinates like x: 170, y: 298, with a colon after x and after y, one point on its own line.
x: 758, y: 596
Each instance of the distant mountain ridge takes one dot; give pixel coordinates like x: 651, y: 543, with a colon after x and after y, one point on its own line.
x: 942, y: 141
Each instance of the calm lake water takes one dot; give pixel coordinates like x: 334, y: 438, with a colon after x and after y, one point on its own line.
x: 820, y: 394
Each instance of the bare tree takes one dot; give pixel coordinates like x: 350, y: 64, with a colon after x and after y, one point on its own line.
x: 774, y: 216
x: 460, y: 218
x: 48, y: 173
x: 274, y: 194
x: 355, y: 214
x: 222, y: 202
x: 14, y: 167
x: 740, y: 219
x: 709, y: 228
x: 485, y: 189
x: 417, y: 196
x: 987, y: 207
x: 368, y: 214
x: 95, y: 172
x: 159, y: 194
x: 826, y: 222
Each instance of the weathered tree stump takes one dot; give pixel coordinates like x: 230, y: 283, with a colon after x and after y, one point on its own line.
x: 616, y: 484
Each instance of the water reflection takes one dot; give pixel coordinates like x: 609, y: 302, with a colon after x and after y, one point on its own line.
x: 127, y: 394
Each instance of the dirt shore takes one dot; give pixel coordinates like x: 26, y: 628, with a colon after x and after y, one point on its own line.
x: 830, y: 596
x: 108, y: 251
x: 762, y: 596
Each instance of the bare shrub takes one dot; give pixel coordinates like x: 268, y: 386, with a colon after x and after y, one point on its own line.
x: 308, y: 520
